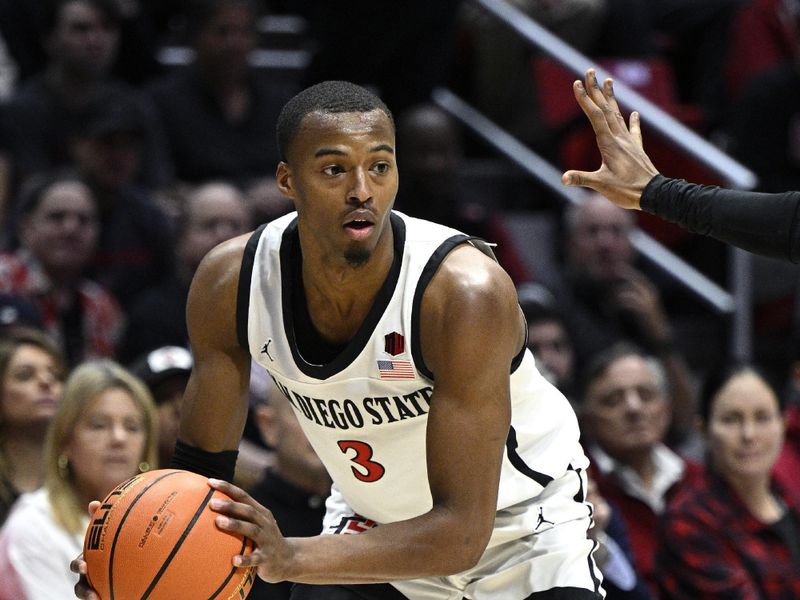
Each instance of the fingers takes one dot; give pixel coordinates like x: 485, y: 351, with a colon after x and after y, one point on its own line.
x: 636, y: 129
x: 604, y: 99
x: 229, y: 489
x: 590, y: 108
x: 82, y: 590
x: 614, y: 112
x: 93, y: 506
x: 578, y: 178
x: 78, y: 565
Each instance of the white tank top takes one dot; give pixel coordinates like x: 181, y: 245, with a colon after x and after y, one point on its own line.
x: 365, y: 412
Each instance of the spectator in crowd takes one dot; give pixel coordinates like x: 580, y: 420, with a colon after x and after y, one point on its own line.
x: 294, y: 487
x: 764, y: 34
x: 764, y: 128
x: 787, y: 466
x: 166, y: 372
x: 103, y: 433
x: 135, y: 246
x: 17, y: 311
x: 81, y: 39
x: 605, y: 298
x: 219, y: 113
x: 734, y: 533
x: 58, y: 231
x: 548, y: 338
x: 625, y: 415
x: 211, y: 213
x: 433, y: 186
x: 415, y: 53
x: 265, y: 201
x: 763, y: 71
x: 31, y: 378
x: 613, y: 554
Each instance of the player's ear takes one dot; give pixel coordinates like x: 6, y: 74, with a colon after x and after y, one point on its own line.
x: 283, y: 177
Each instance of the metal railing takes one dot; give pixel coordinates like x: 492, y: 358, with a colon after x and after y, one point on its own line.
x: 737, y: 303
x: 548, y: 175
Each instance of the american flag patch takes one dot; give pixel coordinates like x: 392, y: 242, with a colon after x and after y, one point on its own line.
x: 396, y: 369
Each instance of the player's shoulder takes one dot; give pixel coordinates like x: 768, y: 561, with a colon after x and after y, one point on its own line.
x: 468, y: 278
x: 218, y: 273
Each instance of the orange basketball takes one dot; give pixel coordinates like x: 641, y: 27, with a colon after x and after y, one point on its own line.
x: 154, y: 537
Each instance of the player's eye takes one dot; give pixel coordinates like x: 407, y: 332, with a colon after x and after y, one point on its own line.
x: 381, y: 168
x: 333, y: 170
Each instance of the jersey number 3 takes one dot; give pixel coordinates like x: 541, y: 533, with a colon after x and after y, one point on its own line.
x: 370, y: 470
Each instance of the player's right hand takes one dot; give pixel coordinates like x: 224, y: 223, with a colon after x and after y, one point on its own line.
x: 82, y: 588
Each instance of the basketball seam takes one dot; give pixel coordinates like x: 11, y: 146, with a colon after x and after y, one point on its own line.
x: 119, y: 530
x: 230, y: 575
x: 177, y: 545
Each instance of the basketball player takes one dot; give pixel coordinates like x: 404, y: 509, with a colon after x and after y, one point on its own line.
x: 401, y: 347
x: 767, y: 224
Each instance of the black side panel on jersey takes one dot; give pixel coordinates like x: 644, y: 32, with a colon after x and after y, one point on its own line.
x: 243, y: 291
x: 425, y: 278
x: 519, y: 464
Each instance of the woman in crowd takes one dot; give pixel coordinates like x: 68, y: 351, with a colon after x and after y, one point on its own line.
x: 58, y: 229
x: 31, y: 384
x: 103, y: 433
x: 734, y: 533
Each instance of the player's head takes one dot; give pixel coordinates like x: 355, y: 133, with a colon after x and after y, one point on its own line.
x: 328, y: 97
x: 340, y: 171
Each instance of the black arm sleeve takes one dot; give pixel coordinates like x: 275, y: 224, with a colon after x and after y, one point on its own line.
x: 767, y: 224
x: 220, y: 465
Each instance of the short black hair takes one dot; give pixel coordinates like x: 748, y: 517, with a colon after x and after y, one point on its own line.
x: 325, y: 97
x: 53, y: 9
x: 538, y: 304
x: 600, y: 362
x: 33, y: 189
x: 719, y: 377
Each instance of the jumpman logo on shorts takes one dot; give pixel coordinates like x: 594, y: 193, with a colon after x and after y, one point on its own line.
x: 541, y: 521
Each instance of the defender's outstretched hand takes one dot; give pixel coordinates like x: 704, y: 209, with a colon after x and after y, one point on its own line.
x: 626, y: 169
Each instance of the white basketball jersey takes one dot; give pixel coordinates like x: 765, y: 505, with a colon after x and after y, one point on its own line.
x: 366, y: 411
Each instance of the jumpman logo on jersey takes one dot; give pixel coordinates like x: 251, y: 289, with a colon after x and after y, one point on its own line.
x: 265, y: 350
x: 541, y: 520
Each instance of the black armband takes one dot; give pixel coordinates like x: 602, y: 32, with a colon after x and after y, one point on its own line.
x: 219, y: 465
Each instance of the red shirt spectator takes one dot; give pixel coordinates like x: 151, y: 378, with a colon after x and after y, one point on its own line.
x: 713, y: 547
x: 101, y: 319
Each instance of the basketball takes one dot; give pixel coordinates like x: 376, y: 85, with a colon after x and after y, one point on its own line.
x: 154, y: 537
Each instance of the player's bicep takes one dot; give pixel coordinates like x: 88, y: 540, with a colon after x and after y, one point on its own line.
x: 473, y: 332
x: 215, y: 402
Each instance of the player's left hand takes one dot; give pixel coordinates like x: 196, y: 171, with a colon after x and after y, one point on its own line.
x: 246, y: 517
x: 78, y: 565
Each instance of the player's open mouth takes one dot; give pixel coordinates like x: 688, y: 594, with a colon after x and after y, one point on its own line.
x: 358, y: 224
x: 358, y: 229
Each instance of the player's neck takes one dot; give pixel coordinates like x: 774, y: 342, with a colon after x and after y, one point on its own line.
x: 339, y: 296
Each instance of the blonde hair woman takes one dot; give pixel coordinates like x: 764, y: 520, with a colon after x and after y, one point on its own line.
x: 31, y: 386
x: 103, y: 433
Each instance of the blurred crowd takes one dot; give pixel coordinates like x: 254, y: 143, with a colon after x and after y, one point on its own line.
x: 136, y: 135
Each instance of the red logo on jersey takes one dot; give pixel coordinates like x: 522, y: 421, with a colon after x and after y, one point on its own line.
x: 354, y: 524
x: 394, y: 343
